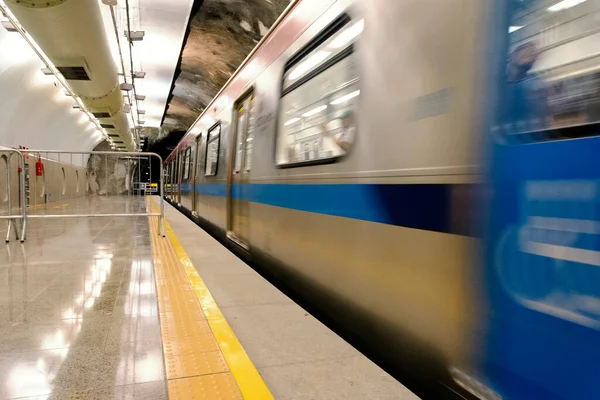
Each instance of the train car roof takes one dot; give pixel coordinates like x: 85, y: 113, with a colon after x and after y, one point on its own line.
x: 288, y: 27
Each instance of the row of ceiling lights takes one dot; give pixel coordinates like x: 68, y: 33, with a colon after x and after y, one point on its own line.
x: 11, y: 25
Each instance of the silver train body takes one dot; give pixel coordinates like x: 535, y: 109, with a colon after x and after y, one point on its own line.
x: 341, y: 229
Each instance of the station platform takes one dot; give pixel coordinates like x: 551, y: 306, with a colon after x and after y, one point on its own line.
x: 106, y: 308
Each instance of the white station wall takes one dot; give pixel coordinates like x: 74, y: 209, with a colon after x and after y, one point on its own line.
x: 34, y: 111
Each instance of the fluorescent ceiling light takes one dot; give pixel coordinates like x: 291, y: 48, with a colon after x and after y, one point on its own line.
x: 346, y: 97
x: 291, y: 121
x: 348, y: 34
x: 8, y: 25
x: 512, y: 29
x: 315, y: 111
x: 563, y: 5
x: 308, y: 64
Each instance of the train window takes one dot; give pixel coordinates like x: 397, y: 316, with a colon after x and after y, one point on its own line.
x: 187, y: 160
x: 246, y: 122
x: 239, y: 137
x: 250, y: 136
x: 317, y: 116
x: 212, y: 150
x: 201, y: 145
x: 552, y: 77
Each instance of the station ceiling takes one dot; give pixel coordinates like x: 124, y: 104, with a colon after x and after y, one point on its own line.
x: 221, y: 33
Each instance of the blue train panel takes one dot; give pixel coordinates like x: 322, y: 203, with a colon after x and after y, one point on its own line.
x: 543, y: 243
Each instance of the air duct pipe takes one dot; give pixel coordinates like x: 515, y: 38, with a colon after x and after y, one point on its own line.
x: 71, y: 34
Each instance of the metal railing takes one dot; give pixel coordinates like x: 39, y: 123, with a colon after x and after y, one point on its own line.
x: 114, y: 185
x: 11, y: 216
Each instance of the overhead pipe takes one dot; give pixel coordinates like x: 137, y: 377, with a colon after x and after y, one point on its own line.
x: 116, y: 29
x: 72, y: 35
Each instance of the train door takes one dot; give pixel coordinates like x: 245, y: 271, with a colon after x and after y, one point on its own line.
x: 543, y: 242
x: 238, y: 191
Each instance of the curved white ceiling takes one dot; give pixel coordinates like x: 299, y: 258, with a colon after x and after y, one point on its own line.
x: 164, y: 23
x: 34, y: 111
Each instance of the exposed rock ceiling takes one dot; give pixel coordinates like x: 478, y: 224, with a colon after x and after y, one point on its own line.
x: 221, y: 33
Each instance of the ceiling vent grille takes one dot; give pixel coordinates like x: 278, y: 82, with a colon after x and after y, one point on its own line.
x: 101, y: 114
x: 74, y: 73
x: 73, y: 69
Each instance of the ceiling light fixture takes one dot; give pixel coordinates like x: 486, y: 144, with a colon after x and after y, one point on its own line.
x: 291, y: 121
x: 309, y: 64
x: 126, y: 87
x: 8, y: 25
x: 512, y: 29
x: 563, y: 5
x: 348, y: 34
x: 315, y: 110
x: 135, y: 36
x: 346, y: 97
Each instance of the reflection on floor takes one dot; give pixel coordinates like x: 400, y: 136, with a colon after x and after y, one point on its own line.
x: 78, y: 307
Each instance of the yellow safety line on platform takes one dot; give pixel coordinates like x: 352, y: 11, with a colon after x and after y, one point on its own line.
x: 187, y: 311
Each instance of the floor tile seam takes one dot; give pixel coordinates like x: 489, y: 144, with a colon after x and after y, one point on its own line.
x: 196, y: 376
x: 114, y: 306
x: 199, y: 375
x: 103, y: 228
x: 310, y: 361
x: 247, y: 378
x: 256, y: 304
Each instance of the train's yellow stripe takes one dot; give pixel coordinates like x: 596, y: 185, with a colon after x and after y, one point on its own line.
x: 238, y: 364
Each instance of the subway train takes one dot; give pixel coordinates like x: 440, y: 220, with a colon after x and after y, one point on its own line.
x: 424, y: 175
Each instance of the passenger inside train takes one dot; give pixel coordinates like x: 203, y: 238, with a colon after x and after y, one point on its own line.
x: 342, y: 138
x: 526, y: 97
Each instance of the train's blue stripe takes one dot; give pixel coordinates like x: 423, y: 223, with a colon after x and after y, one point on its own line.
x: 427, y: 207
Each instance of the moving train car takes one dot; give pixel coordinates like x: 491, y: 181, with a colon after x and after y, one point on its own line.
x: 426, y: 173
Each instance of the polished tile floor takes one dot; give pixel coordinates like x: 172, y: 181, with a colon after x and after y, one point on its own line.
x: 78, y: 307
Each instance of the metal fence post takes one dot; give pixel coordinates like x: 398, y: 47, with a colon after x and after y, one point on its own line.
x: 23, y: 199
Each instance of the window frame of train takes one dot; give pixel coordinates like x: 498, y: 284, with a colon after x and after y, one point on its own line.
x: 201, y: 146
x: 187, y: 155
x: 352, y: 29
x: 209, y: 141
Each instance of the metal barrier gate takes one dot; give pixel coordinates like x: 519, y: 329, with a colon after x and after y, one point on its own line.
x: 114, y: 185
x: 7, y: 211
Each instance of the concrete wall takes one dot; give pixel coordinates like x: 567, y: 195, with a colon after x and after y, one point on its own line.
x: 34, y: 111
